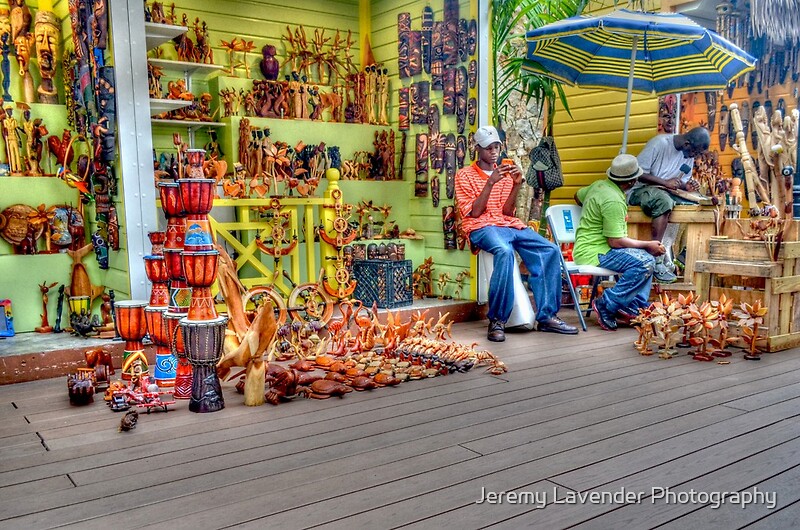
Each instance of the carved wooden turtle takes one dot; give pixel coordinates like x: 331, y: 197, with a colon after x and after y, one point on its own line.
x: 323, y: 389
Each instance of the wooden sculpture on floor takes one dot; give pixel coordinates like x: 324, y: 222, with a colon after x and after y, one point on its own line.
x: 247, y: 341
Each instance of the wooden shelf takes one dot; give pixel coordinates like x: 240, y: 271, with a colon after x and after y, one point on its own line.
x: 158, y: 34
x: 186, y: 123
x: 157, y: 106
x: 186, y: 67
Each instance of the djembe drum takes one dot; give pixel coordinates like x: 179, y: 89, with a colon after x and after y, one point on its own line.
x: 200, y: 270
x: 157, y: 240
x: 131, y: 325
x: 164, y: 371
x: 197, y: 196
x: 203, y: 341
x: 183, y: 370
x: 195, y: 159
x: 155, y: 266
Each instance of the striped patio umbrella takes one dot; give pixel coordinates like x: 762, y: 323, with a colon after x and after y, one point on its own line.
x: 648, y: 53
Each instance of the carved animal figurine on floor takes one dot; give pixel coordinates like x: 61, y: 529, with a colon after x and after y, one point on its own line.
x: 80, y: 387
x: 283, y: 387
x: 99, y: 360
x: 129, y: 421
x: 323, y: 389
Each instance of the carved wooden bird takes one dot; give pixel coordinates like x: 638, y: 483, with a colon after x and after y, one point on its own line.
x: 129, y: 420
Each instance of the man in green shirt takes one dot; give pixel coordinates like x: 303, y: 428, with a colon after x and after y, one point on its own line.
x: 602, y: 239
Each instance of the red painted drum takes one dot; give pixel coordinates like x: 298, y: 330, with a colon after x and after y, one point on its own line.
x: 157, y: 329
x: 203, y: 349
x: 176, y: 233
x: 131, y: 322
x: 197, y: 195
x: 200, y: 269
x: 157, y: 240
x: 155, y: 266
x: 132, y: 327
x: 195, y: 158
x: 171, y: 199
x: 183, y: 370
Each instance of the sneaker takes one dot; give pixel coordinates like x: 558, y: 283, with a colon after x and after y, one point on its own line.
x: 627, y: 314
x: 556, y: 325
x: 604, y: 316
x: 497, y: 331
x: 663, y: 273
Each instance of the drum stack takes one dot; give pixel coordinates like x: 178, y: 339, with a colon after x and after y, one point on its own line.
x: 156, y: 268
x: 179, y: 291
x: 203, y: 330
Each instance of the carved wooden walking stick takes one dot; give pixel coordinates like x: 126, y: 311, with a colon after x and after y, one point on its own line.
x: 751, y: 178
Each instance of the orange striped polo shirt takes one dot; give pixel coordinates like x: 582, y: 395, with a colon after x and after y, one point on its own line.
x: 470, y: 181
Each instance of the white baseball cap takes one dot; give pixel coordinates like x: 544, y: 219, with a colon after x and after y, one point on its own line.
x: 486, y: 136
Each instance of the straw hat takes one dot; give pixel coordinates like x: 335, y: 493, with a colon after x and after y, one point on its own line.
x: 624, y: 168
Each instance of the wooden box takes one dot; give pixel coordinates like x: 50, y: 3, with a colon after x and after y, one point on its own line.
x: 750, y: 270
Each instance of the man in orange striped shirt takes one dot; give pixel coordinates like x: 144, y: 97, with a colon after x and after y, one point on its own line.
x: 486, y: 193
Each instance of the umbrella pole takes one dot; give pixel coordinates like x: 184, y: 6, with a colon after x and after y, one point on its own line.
x: 628, y: 101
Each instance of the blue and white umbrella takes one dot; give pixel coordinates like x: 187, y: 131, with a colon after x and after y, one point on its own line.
x: 648, y: 53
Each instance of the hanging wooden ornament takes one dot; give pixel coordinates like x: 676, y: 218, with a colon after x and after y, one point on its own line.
x: 403, y: 38
x: 433, y: 132
x: 421, y: 166
x: 420, y: 101
x: 415, y: 53
x: 450, y: 33
x: 461, y: 99
x: 402, y: 109
x: 437, y: 59
x: 463, y: 40
x: 437, y: 144
x: 427, y: 38
x: 472, y: 109
x: 461, y: 150
x: 449, y: 96
x: 449, y: 227
x: 435, y: 190
x: 472, y: 73
x: 471, y: 146
x: 450, y: 165
x: 472, y: 36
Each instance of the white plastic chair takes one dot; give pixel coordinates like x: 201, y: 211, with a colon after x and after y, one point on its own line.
x: 563, y: 221
x: 522, y: 314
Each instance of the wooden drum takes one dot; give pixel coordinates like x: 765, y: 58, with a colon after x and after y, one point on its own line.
x: 183, y: 370
x: 155, y: 266
x: 171, y: 199
x: 197, y: 195
x: 157, y: 329
x: 203, y: 342
x: 200, y: 269
x: 132, y: 327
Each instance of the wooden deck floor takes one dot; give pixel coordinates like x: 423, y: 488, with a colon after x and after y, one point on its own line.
x: 582, y: 414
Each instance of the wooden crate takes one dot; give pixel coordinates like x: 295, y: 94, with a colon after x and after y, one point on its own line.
x: 737, y: 258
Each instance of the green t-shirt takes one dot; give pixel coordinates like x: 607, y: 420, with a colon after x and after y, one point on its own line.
x: 604, y: 215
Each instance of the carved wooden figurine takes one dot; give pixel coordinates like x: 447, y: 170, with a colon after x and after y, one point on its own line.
x: 47, y: 31
x: 45, y: 327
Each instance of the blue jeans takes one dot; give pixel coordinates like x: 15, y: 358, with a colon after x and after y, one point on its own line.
x: 633, y: 285
x: 540, y: 257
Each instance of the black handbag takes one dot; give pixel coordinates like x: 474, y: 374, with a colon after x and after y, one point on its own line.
x: 545, y: 169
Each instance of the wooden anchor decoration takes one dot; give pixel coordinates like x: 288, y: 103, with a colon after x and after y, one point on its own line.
x: 345, y: 285
x: 280, y: 245
x: 344, y: 234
